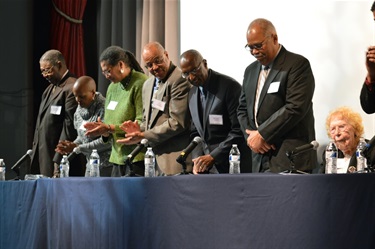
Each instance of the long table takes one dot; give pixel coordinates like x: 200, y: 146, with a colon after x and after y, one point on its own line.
x: 187, y: 211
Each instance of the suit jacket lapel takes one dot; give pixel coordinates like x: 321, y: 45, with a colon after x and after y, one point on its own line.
x: 159, y: 96
x: 47, y: 99
x: 147, y: 105
x: 276, y: 68
x: 253, y: 84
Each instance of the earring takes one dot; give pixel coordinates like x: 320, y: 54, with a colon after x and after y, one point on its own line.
x: 122, y: 70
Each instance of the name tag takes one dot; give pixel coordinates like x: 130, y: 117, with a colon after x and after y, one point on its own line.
x: 112, y: 105
x: 215, y: 119
x: 56, y: 109
x: 82, y: 128
x: 158, y: 104
x: 274, y: 87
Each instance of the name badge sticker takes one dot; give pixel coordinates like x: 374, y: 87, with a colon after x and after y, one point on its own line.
x: 112, y: 105
x: 158, y: 104
x: 82, y: 128
x: 215, y: 119
x: 56, y: 109
x: 274, y: 87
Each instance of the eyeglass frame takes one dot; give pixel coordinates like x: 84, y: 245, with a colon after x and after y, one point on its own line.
x: 193, y: 72
x: 258, y: 46
x: 107, y: 72
x: 158, y: 61
x: 48, y: 71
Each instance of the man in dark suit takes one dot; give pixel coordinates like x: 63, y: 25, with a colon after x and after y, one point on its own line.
x: 276, y: 114
x: 55, y: 117
x: 215, y: 120
x: 367, y: 96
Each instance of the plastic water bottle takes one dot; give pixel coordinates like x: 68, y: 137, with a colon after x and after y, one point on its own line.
x: 331, y: 158
x: 149, y: 163
x: 94, y: 164
x: 64, y: 167
x: 2, y: 170
x: 361, y: 160
x: 234, y: 160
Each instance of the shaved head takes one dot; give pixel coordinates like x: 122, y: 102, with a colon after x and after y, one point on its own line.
x: 84, y: 90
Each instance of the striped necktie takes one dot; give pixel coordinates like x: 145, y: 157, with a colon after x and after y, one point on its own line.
x: 262, y: 78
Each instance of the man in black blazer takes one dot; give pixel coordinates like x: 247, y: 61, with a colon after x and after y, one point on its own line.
x: 55, y: 117
x: 215, y: 120
x: 276, y: 115
x: 367, y: 96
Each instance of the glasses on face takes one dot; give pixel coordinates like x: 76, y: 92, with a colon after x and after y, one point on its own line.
x: 258, y: 46
x: 47, y: 71
x: 193, y: 72
x: 157, y: 61
x: 107, y: 72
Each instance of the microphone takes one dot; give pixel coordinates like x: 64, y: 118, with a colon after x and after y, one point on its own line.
x: 137, y: 149
x: 74, y: 153
x: 182, y: 157
x: 313, y: 145
x: 21, y: 160
x: 369, y: 145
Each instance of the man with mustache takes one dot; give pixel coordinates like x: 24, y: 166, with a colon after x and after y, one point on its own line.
x: 276, y: 109
x: 55, y: 117
x: 166, y: 117
x: 213, y: 102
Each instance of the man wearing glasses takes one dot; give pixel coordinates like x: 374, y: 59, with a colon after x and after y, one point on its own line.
x: 275, y: 109
x: 55, y: 117
x: 213, y: 102
x: 166, y: 117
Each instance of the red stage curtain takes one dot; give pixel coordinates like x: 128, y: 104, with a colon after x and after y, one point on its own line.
x: 67, y: 33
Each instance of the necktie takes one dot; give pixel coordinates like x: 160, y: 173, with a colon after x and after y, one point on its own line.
x: 156, y: 88
x: 202, y: 96
x: 262, y: 78
x: 203, y: 93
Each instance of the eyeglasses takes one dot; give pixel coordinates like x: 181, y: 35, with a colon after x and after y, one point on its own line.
x: 107, y: 72
x: 47, y: 71
x: 157, y: 61
x: 258, y: 46
x: 193, y: 72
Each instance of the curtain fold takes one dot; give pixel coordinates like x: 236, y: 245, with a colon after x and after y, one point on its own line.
x: 67, y: 33
x: 132, y: 24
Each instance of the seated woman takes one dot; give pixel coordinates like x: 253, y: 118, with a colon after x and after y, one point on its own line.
x: 345, y: 127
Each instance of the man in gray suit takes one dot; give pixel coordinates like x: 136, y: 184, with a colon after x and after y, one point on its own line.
x: 276, y: 114
x: 215, y: 119
x: 166, y: 117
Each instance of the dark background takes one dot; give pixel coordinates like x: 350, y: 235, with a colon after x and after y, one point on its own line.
x: 25, y: 36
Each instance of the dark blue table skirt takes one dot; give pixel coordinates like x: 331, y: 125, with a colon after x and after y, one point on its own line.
x: 207, y: 211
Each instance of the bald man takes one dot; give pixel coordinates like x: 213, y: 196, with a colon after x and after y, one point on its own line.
x: 166, y: 117
x: 276, y: 109
x: 215, y: 121
x: 90, y: 108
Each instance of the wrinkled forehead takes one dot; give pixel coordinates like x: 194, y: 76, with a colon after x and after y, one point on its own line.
x: 45, y: 63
